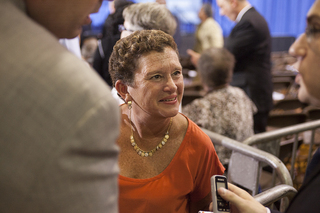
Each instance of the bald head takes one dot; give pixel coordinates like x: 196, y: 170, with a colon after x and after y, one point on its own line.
x: 161, y: 1
x: 62, y: 18
x: 231, y: 8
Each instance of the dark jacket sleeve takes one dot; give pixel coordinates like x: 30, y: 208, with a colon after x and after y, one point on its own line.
x: 102, y: 55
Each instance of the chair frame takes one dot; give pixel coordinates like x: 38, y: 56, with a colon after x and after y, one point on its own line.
x: 257, y: 155
x: 276, y: 135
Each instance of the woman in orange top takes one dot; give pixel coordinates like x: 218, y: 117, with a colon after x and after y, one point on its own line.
x: 165, y: 161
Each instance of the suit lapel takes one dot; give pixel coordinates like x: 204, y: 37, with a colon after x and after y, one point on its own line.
x: 311, y: 178
x: 243, y: 19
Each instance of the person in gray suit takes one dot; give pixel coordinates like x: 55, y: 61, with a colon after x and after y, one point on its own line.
x: 58, y: 120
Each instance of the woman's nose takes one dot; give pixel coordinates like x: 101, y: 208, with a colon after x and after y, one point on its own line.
x: 299, y: 47
x: 170, y: 85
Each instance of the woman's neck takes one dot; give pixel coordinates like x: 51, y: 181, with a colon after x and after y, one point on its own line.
x: 147, y: 126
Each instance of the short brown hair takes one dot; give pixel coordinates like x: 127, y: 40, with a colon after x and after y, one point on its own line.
x: 215, y: 66
x: 123, y: 61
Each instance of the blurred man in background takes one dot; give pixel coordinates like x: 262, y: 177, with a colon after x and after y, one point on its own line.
x: 250, y: 43
x: 209, y: 32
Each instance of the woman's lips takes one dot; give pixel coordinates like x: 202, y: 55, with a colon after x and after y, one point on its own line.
x: 169, y: 100
x: 297, y: 79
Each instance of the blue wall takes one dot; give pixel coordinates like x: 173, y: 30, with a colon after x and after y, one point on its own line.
x: 99, y: 18
x: 285, y: 17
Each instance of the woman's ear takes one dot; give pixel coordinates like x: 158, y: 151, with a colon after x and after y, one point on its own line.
x: 122, y: 90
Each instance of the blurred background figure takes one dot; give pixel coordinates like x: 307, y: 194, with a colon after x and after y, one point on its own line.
x: 250, y: 43
x: 88, y: 47
x: 177, y: 36
x: 209, y: 33
x: 225, y: 109
x: 307, y: 51
x: 110, y: 35
x: 115, y: 18
x: 146, y: 16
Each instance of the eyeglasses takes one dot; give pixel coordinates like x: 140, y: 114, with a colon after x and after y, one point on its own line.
x: 122, y: 28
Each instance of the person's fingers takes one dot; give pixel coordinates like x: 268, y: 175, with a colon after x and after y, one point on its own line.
x: 240, y: 192
x: 211, y: 207
x: 234, y: 195
x: 240, y: 200
x: 194, y: 56
x: 229, y: 196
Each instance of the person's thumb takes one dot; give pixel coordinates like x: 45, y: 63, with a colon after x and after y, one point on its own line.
x: 226, y: 194
x: 222, y: 191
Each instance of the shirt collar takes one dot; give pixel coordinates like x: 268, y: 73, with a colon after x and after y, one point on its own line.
x: 242, y: 12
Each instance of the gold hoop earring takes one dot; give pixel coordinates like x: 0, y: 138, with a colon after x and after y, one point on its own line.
x: 129, y: 104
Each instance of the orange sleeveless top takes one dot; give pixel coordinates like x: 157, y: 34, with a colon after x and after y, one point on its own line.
x: 187, y: 178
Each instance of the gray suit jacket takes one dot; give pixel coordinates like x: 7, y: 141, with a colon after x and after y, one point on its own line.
x: 58, y: 124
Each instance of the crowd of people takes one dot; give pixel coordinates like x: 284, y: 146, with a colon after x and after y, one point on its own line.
x: 68, y: 146
x: 250, y: 43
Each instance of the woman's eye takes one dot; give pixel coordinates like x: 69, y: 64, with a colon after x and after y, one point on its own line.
x: 156, y: 77
x: 312, y: 30
x: 176, y: 73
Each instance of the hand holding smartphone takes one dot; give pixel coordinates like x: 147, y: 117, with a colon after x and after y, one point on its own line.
x: 219, y: 204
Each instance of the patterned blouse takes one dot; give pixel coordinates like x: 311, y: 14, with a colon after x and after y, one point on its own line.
x: 227, y: 111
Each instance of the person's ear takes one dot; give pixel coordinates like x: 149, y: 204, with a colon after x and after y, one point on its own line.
x: 122, y: 90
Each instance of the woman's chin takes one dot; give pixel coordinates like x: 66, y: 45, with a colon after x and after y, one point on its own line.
x: 308, y: 99
x: 171, y: 113
x: 315, y: 102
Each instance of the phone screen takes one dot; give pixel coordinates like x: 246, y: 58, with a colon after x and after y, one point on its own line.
x: 221, y: 184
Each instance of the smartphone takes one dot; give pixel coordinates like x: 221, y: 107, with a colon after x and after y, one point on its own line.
x: 219, y: 204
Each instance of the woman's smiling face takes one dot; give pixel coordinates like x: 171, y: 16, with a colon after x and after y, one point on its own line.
x: 158, y: 84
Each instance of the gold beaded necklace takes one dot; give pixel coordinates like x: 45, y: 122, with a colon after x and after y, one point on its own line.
x: 141, y: 152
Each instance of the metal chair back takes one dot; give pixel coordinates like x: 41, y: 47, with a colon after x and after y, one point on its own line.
x: 245, y: 165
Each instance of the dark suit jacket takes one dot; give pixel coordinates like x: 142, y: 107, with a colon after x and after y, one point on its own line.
x: 250, y: 42
x: 102, y: 55
x: 308, y: 196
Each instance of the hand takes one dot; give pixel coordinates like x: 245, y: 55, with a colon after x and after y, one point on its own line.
x: 194, y: 57
x: 240, y: 200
